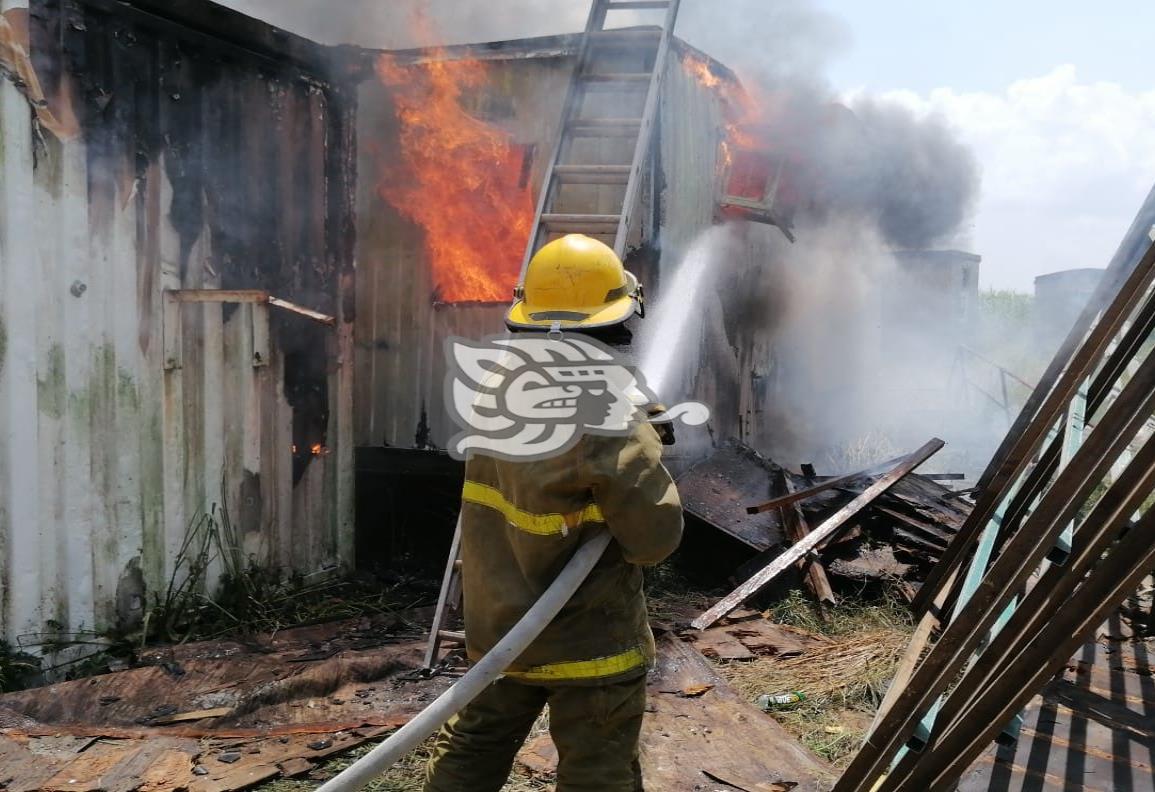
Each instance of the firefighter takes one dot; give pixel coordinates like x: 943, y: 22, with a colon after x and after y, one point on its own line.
x: 521, y: 522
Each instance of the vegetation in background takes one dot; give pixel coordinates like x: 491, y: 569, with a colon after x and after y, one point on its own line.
x: 1005, y: 333
x: 15, y: 667
x: 253, y: 598
x: 1007, y: 306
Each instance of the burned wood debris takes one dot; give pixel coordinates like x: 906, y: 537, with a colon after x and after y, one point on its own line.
x: 218, y: 716
x: 897, y: 535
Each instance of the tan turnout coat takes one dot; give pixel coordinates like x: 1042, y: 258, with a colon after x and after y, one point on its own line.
x: 521, y: 523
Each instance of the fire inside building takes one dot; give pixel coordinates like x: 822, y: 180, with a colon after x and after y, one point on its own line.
x: 231, y: 261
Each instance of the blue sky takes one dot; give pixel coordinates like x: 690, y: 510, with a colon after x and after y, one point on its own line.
x: 985, y: 45
x: 1057, y: 100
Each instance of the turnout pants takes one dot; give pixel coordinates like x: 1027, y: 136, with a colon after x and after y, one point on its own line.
x: 595, y: 729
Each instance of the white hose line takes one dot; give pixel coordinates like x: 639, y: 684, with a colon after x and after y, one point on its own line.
x: 489, y: 668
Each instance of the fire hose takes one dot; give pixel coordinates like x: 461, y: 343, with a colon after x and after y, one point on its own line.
x: 487, y: 670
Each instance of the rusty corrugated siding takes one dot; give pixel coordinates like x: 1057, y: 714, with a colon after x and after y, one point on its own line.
x: 197, y: 164
x: 400, y: 332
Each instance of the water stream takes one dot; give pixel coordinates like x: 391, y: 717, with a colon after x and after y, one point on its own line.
x: 670, y: 331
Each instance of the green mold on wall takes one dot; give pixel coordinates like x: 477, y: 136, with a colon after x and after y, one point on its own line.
x: 51, y: 390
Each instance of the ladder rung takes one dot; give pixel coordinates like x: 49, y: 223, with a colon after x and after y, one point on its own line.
x: 593, y: 174
x: 631, y: 78
x: 457, y: 565
x: 605, y: 127
x: 627, y: 5
x: 579, y: 223
x: 616, y: 82
x: 451, y: 635
x: 624, y: 37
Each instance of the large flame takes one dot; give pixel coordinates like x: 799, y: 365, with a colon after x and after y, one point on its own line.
x: 463, y: 181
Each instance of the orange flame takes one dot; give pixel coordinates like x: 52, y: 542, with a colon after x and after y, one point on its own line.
x: 700, y: 69
x: 740, y: 108
x: 460, y: 179
x: 745, y: 153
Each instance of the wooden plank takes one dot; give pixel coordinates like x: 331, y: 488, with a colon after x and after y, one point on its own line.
x: 822, y: 532
x: 183, y: 717
x: 796, y: 529
x: 218, y: 295
x: 686, y: 739
x: 300, y: 310
x: 1072, y: 363
x: 1056, y: 593
x: 914, y: 651
x: 961, y: 741
x: 829, y: 484
x: 1019, y: 558
x: 256, y: 296
x: 20, y: 769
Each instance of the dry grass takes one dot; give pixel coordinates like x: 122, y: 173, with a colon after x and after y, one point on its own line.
x: 850, y: 671
x: 843, y: 682
x: 860, y: 453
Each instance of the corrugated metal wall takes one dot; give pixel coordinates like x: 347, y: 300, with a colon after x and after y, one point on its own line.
x: 195, y: 163
x: 400, y: 332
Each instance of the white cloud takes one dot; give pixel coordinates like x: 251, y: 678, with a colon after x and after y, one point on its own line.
x: 1065, y: 166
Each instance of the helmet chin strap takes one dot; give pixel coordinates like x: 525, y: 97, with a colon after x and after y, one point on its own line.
x: 555, y: 331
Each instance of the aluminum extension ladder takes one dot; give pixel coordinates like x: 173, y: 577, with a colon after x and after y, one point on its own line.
x: 599, y: 161
x: 594, y: 178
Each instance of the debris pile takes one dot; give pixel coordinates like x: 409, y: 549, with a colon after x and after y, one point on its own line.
x: 218, y: 716
x: 897, y: 535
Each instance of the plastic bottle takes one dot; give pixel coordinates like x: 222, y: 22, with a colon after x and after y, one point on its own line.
x: 768, y: 701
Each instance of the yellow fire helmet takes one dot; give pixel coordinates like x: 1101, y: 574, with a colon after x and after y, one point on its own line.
x: 575, y: 282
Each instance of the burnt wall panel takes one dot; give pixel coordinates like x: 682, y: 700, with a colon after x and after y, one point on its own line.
x: 183, y: 159
x: 401, y: 327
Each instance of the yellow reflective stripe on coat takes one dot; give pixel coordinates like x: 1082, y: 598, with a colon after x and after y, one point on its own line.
x: 583, y: 669
x: 539, y: 524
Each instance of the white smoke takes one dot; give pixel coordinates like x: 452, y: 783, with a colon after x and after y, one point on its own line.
x: 387, y: 24
x: 879, y: 177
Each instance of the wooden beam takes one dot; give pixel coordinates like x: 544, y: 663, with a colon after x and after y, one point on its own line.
x: 218, y: 295
x: 1121, y: 290
x: 829, y: 484
x: 255, y: 296
x: 796, y: 528
x: 817, y: 536
x: 308, y: 313
x: 1019, y: 558
x: 919, y: 640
